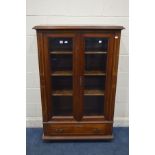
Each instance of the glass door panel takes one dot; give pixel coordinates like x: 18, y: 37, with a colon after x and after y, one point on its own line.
x: 95, y: 58
x: 62, y: 106
x: 61, y: 67
x: 93, y: 105
x: 95, y: 62
x: 60, y: 45
x: 93, y: 44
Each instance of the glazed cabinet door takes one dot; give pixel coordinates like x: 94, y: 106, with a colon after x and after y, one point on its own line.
x: 95, y: 76
x: 59, y: 75
x: 77, y: 76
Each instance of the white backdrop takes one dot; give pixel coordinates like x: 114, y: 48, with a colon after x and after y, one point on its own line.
x: 76, y: 12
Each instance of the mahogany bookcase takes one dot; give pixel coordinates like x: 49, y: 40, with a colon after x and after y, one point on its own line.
x: 78, y: 74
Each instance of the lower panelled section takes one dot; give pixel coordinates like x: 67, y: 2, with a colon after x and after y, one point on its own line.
x: 77, y: 131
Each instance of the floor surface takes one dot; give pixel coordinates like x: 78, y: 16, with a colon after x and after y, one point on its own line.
x: 118, y: 146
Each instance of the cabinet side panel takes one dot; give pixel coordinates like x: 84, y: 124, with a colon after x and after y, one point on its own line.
x: 109, y: 66
x: 114, y: 73
x: 42, y: 75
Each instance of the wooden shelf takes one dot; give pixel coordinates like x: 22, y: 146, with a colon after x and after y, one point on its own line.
x: 89, y: 92
x: 70, y: 52
x: 87, y: 73
x: 95, y: 52
x: 61, y: 52
x: 95, y: 73
x: 93, y: 92
x: 61, y: 73
x: 62, y: 93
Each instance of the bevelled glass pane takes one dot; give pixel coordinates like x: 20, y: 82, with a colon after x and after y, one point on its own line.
x: 62, y: 83
x: 94, y: 82
x: 95, y: 62
x: 60, y: 44
x: 96, y: 44
x: 62, y: 106
x: 61, y: 62
x: 93, y: 105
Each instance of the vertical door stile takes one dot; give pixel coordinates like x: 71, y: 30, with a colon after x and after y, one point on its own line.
x: 116, y: 43
x: 47, y: 77
x: 75, y: 79
x: 77, y: 67
x: 81, y: 74
x: 109, y: 78
x: 42, y: 76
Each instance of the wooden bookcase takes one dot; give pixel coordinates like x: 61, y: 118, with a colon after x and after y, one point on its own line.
x: 78, y: 73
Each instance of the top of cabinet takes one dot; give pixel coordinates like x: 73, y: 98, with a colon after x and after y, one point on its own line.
x: 49, y: 27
